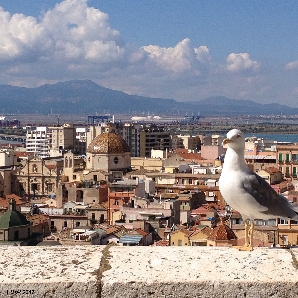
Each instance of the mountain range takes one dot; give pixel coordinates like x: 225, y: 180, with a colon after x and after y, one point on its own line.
x: 86, y: 97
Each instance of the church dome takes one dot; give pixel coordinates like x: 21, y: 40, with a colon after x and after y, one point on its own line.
x: 12, y: 218
x: 106, y: 143
x: 222, y: 232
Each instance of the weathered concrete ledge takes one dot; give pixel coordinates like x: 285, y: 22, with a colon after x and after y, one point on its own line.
x: 110, y: 271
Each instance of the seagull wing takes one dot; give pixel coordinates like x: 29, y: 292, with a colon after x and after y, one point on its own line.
x: 265, y: 195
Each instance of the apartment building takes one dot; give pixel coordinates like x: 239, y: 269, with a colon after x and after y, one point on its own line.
x: 287, y: 159
x: 37, y: 141
x: 154, y: 137
x: 81, y: 140
x: 130, y: 132
x: 61, y: 138
x: 46, y: 141
x: 189, y: 142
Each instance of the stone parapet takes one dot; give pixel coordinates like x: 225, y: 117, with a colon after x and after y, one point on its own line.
x: 114, y: 271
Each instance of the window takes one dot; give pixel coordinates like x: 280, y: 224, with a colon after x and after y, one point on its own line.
x: 280, y: 157
x: 50, y: 187
x: 34, y: 168
x: 287, y: 157
x: 79, y: 196
x: 282, y: 221
x: 34, y: 187
x: 16, y: 235
x: 78, y: 224
x: 116, y: 160
x: 102, y: 218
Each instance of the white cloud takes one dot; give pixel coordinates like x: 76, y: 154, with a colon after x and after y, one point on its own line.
x: 177, y: 59
x: 21, y: 37
x: 240, y: 62
x: 292, y: 65
x: 203, y: 55
x: 70, y: 31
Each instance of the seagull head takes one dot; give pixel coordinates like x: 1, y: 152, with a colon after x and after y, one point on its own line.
x: 235, y: 140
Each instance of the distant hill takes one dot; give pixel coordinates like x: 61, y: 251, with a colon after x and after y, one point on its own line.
x: 84, y: 96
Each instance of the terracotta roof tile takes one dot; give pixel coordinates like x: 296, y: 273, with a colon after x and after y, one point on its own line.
x: 141, y: 232
x: 4, y: 201
x: 162, y: 243
x: 222, y: 232
x: 206, y: 230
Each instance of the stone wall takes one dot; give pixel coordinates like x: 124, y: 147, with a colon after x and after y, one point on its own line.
x: 114, y: 271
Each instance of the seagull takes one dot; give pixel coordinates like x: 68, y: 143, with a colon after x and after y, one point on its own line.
x: 246, y: 192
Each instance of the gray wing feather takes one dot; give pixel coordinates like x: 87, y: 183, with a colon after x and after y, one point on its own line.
x: 266, y: 196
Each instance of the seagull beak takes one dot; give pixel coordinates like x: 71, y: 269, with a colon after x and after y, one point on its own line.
x: 226, y: 141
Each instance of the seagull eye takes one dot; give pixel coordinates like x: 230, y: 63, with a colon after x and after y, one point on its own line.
x: 238, y: 136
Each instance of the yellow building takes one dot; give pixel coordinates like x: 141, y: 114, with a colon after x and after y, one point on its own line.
x: 287, y: 234
x: 180, y: 238
x: 199, y: 237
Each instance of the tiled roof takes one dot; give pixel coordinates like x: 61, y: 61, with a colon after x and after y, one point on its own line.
x: 112, y: 229
x: 37, y: 218
x: 222, y: 232
x: 190, y: 156
x: 21, y: 153
x: 162, y: 243
x: 271, y: 170
x: 96, y: 207
x: 141, y: 232
x: 4, y: 201
x: 206, y: 230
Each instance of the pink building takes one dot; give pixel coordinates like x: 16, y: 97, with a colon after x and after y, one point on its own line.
x: 212, y: 152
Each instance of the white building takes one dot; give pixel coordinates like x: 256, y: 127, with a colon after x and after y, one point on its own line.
x: 37, y: 141
x: 6, y: 157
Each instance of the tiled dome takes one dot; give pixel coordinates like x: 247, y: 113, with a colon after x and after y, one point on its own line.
x: 222, y: 232
x: 108, y: 143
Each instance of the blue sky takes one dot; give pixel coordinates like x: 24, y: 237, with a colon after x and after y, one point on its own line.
x: 180, y: 49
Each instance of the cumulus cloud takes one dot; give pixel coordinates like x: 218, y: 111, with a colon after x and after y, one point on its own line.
x: 70, y: 31
x: 22, y: 37
x: 240, y: 62
x: 177, y: 59
x: 203, y: 55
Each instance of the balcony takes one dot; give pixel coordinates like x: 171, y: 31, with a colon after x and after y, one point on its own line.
x: 117, y: 271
